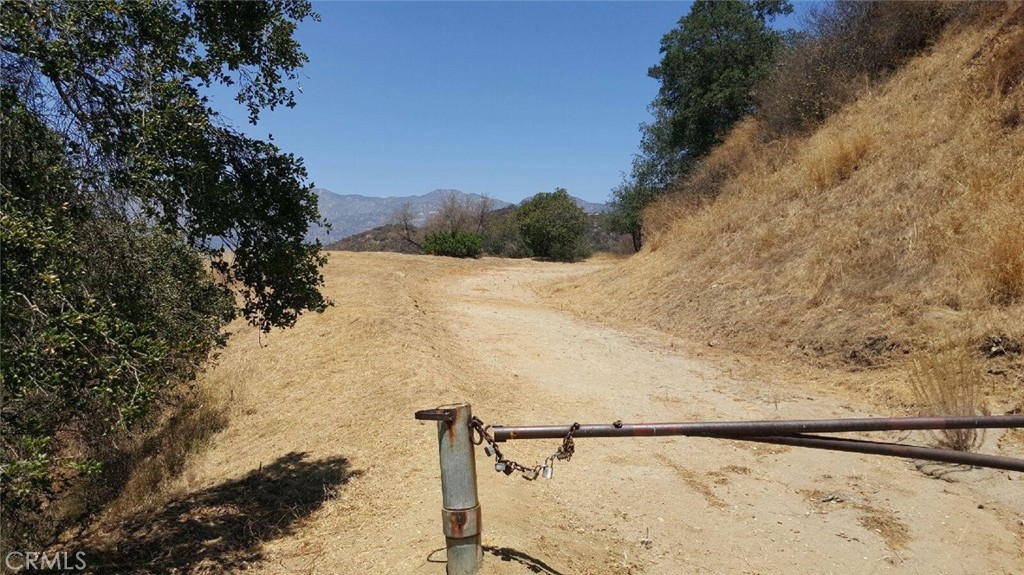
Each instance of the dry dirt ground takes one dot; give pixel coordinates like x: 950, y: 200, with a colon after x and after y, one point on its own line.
x: 322, y: 468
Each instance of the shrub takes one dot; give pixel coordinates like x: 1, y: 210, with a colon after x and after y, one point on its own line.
x: 849, y: 45
x: 502, y: 238
x: 833, y: 160
x: 1002, y: 263
x: 949, y: 383
x: 100, y: 317
x: 454, y: 243
x: 553, y: 226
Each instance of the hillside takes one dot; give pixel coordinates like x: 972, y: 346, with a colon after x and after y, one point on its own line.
x: 894, y: 231
x: 805, y: 277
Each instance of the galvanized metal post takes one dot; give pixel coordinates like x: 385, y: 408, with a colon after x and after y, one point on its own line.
x: 461, y: 509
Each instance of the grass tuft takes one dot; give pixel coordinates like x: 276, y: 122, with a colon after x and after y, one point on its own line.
x: 834, y: 160
x: 948, y: 383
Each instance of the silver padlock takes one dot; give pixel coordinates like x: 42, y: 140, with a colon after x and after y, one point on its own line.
x: 547, y: 472
x: 530, y: 474
x: 499, y: 466
x: 489, y: 450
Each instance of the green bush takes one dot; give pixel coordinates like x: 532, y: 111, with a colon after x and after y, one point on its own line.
x: 454, y: 243
x: 502, y: 238
x: 553, y: 226
x: 99, y: 317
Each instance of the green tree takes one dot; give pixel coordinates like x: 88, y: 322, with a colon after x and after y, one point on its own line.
x: 121, y: 190
x: 123, y: 83
x: 553, y: 226
x: 631, y: 198
x: 100, y: 315
x: 710, y: 66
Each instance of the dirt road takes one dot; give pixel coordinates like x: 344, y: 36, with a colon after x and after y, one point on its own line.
x: 325, y: 411
x: 707, y: 506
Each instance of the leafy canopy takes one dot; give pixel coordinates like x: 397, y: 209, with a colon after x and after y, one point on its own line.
x: 99, y: 316
x: 710, y: 65
x: 630, y: 198
x: 553, y: 226
x: 124, y: 83
x: 453, y: 243
x: 120, y: 189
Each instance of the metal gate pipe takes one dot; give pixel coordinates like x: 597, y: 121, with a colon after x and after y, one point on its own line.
x: 737, y: 429
x: 460, y: 513
x: 893, y: 450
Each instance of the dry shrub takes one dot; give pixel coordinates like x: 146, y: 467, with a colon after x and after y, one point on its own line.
x: 1007, y: 69
x: 850, y: 45
x: 738, y: 154
x: 1003, y: 260
x: 948, y: 383
x: 835, y: 159
x: 725, y: 162
x: 1004, y: 65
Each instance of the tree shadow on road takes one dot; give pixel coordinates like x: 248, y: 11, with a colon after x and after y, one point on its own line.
x: 222, y: 528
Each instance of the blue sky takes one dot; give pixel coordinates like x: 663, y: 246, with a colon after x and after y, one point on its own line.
x: 505, y: 99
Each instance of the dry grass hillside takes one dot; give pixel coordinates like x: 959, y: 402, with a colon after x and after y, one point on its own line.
x: 893, y: 232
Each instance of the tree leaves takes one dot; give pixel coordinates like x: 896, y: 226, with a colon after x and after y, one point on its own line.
x: 553, y: 226
x: 121, y: 82
x: 710, y: 65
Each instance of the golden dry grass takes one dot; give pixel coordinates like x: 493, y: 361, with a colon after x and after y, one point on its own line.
x: 900, y: 220
x: 320, y: 422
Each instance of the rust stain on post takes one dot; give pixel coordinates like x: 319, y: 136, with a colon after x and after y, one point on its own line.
x: 461, y: 523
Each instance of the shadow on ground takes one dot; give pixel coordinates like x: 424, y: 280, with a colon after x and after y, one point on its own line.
x: 529, y: 562
x: 223, y: 528
x: 532, y: 564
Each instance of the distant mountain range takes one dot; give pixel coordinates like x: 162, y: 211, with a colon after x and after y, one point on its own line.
x: 352, y: 213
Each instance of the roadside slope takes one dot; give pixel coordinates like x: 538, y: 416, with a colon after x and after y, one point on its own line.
x: 895, y: 227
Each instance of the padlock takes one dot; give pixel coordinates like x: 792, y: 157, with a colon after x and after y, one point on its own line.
x: 489, y: 450
x: 548, y: 472
x: 499, y: 466
x: 530, y: 474
x: 508, y: 469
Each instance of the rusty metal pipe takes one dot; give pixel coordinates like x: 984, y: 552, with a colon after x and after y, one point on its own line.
x: 743, y: 429
x: 893, y: 450
x: 460, y: 513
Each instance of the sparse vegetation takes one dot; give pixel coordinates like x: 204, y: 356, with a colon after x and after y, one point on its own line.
x: 948, y: 382
x: 847, y: 46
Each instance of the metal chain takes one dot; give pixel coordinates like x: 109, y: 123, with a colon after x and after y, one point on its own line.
x: 507, y: 466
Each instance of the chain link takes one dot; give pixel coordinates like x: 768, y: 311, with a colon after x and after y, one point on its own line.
x: 481, y: 434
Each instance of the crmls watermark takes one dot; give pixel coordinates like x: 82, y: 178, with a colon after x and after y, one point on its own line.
x: 21, y: 561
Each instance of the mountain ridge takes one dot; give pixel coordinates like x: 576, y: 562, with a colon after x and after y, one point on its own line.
x: 350, y: 214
